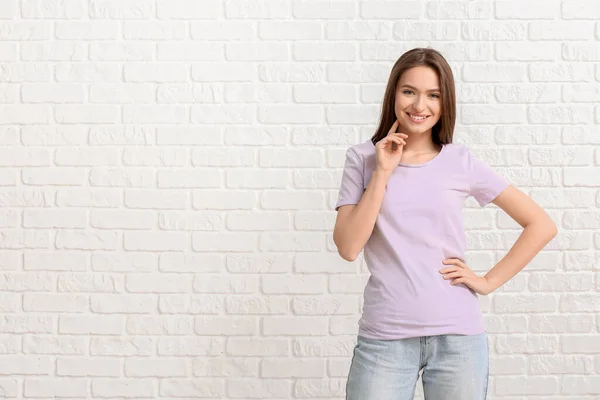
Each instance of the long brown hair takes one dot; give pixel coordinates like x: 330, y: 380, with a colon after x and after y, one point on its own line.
x: 443, y: 130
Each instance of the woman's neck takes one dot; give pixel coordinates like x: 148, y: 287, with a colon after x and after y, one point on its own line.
x: 421, y: 143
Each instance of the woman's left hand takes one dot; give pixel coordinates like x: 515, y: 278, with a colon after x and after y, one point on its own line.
x: 459, y: 272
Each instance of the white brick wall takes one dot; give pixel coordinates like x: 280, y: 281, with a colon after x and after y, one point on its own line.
x: 169, y: 168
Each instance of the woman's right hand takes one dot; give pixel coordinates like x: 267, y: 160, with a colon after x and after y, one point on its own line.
x: 388, y: 151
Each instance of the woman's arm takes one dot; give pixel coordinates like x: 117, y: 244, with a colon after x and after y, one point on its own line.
x: 539, y: 229
x: 354, y: 223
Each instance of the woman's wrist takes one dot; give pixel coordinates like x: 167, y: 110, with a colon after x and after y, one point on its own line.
x: 382, y: 175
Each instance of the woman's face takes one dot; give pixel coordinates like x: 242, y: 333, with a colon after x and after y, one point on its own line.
x: 418, y: 103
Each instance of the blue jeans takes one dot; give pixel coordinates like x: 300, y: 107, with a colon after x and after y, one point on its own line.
x: 455, y: 367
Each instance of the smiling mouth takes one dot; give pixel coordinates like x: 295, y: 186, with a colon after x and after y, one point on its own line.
x: 417, y: 118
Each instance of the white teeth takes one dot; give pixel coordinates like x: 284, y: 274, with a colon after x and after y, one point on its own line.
x: 415, y: 117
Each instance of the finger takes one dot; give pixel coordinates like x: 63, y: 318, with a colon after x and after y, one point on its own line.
x: 394, y: 127
x: 454, y: 261
x: 389, y: 140
x: 395, y: 135
x: 395, y: 145
x: 396, y: 138
x: 404, y: 135
x: 453, y: 275
x: 457, y: 281
x: 451, y: 259
x: 449, y: 269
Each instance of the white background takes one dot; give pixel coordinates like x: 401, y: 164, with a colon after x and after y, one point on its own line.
x: 169, y: 170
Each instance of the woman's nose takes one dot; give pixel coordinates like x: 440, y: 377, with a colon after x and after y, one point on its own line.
x: 420, y: 103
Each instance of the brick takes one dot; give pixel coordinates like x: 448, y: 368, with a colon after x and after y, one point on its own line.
x: 101, y: 367
x: 60, y: 387
x: 64, y: 9
x: 121, y: 9
x: 58, y: 218
x: 123, y: 387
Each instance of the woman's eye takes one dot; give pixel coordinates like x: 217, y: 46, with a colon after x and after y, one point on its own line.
x: 434, y: 95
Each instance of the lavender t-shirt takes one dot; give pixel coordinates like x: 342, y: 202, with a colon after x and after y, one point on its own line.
x: 419, y: 225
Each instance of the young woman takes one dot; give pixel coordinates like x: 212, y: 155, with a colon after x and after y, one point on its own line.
x: 401, y: 200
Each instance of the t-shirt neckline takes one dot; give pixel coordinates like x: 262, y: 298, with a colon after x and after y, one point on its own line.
x: 422, y: 164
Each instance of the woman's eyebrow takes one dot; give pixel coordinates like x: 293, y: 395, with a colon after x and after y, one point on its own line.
x: 412, y: 87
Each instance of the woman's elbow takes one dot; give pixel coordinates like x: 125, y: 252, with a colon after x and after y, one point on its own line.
x: 348, y: 256
x: 343, y: 251
x: 553, y: 230
x: 547, y: 229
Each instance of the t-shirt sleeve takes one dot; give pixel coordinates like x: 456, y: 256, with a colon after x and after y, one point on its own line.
x: 485, y: 183
x: 352, y: 185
